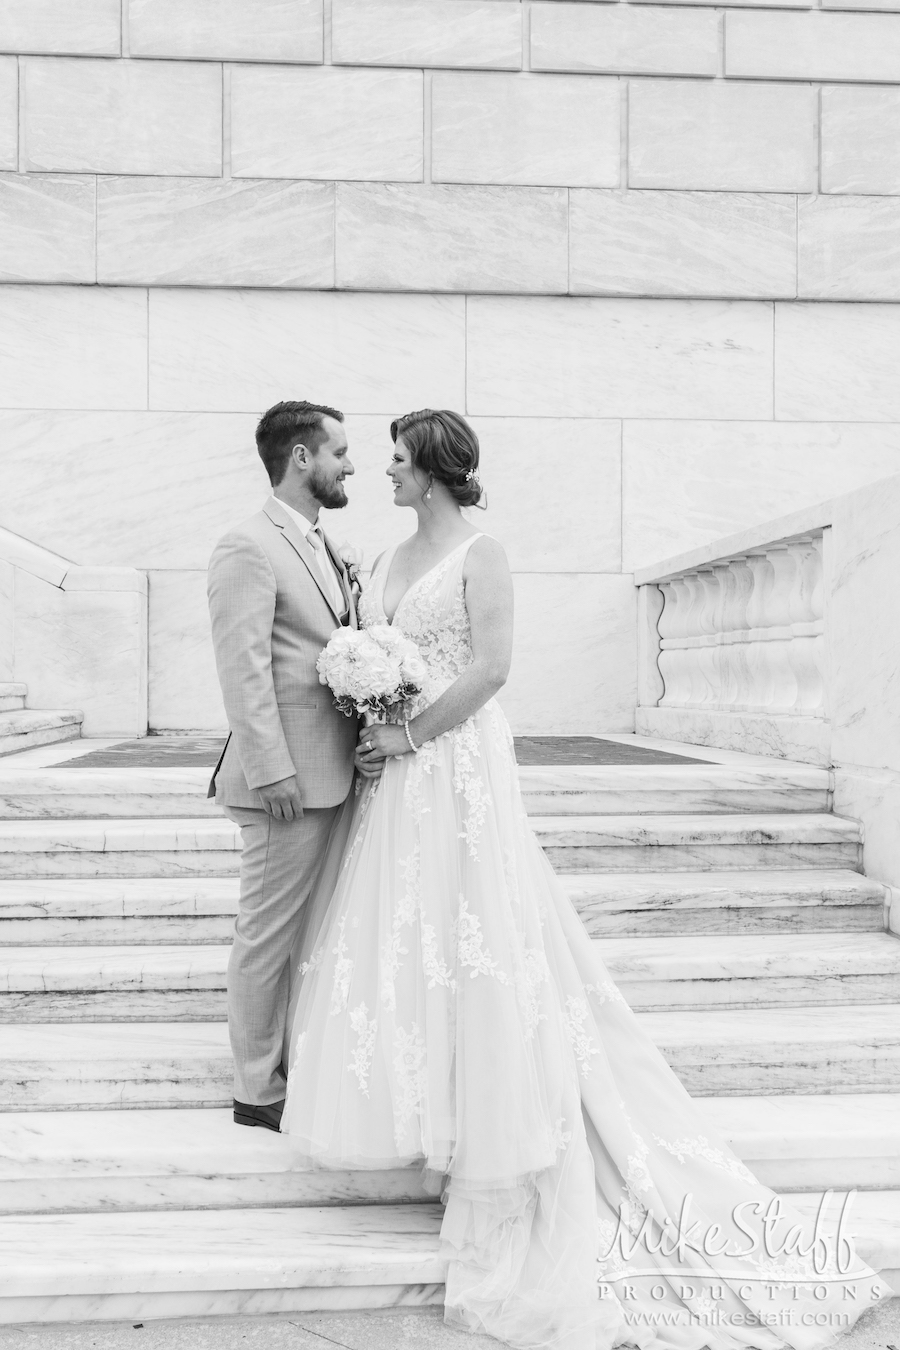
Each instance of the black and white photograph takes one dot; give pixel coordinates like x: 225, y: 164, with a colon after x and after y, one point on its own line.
x: 449, y: 674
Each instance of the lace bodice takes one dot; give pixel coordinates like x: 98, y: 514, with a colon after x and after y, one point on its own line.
x: 433, y: 613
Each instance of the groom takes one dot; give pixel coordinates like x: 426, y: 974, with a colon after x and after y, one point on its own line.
x: 277, y: 591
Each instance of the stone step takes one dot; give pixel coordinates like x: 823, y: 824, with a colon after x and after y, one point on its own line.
x: 764, y: 901
x: 680, y: 789
x: 118, y: 910
x: 187, y: 983
x: 22, y: 730
x: 697, y: 843
x: 758, y: 1051
x: 739, y: 1052
x: 113, y: 984
x: 69, y: 792
x: 754, y: 970
x: 57, y: 1267
x: 210, y: 847
x: 12, y: 696
x: 142, y: 848
x: 159, y: 910
x: 66, y: 1161
x: 79, y: 1161
x: 797, y: 1143
x: 28, y: 793
x: 137, y: 1266
x: 54, y: 1066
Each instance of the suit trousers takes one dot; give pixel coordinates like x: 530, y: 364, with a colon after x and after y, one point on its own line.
x: 279, y: 865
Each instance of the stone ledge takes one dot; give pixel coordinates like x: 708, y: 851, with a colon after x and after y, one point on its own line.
x: 807, y: 739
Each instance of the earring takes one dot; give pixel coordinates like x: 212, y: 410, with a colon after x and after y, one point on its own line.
x: 430, y: 487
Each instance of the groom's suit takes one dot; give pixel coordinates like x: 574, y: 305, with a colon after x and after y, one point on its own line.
x: 272, y: 612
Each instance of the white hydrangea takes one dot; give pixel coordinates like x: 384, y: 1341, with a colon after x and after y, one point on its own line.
x: 372, y: 670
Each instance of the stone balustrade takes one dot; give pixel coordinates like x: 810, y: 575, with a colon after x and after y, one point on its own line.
x: 782, y: 640
x: 76, y: 636
x: 734, y: 648
x: 745, y: 634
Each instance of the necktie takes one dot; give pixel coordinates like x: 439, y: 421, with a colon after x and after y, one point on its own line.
x: 326, y: 567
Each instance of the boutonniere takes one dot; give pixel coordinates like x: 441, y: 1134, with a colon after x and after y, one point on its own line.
x: 352, y: 559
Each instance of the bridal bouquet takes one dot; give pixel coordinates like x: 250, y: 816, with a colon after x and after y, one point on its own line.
x: 372, y: 672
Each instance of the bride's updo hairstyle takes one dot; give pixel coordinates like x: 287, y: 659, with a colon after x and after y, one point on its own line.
x: 444, y: 446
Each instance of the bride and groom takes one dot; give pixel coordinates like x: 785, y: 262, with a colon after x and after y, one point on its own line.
x: 404, y: 948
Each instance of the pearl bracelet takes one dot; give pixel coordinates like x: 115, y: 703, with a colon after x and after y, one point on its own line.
x: 412, y: 745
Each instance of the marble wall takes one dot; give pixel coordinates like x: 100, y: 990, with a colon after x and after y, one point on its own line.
x: 650, y: 248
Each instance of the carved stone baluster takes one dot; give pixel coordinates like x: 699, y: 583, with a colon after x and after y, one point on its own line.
x: 778, y: 634
x: 672, y: 665
x: 726, y: 682
x: 761, y: 683
x: 706, y: 693
x: 700, y: 639
x: 807, y: 609
x: 741, y: 587
x: 650, y: 681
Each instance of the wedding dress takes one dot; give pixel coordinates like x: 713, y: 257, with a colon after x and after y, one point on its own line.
x: 453, y: 1012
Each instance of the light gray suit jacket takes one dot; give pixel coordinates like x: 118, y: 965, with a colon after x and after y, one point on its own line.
x: 271, y: 617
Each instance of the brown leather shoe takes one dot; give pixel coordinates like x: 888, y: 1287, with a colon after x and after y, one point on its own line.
x: 267, y: 1116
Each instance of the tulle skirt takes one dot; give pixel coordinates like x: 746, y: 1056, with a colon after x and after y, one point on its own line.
x: 452, y: 1012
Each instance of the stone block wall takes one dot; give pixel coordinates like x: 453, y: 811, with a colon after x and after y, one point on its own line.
x: 651, y: 249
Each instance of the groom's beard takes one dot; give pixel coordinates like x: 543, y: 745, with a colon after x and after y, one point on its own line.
x: 330, y: 495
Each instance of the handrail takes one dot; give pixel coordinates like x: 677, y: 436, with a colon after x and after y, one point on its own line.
x: 782, y: 530
x: 57, y: 571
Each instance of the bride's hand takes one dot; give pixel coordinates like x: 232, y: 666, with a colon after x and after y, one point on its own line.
x: 381, y: 742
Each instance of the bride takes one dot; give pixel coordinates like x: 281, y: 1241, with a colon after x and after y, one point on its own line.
x: 454, y: 1013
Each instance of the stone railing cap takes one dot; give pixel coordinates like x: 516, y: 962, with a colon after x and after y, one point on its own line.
x: 811, y: 520
x: 68, y: 576
x: 39, y: 562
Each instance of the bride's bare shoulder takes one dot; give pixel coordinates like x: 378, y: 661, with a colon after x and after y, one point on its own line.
x: 488, y: 550
x: 486, y: 557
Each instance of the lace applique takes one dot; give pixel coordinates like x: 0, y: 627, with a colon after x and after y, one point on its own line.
x: 468, y: 782
x: 582, y: 1043
x: 605, y: 992
x: 441, y: 631
x: 700, y: 1147
x: 560, y: 1139
x: 436, y: 971
x: 409, y: 1066
x: 789, y: 1266
x: 390, y: 964
x: 411, y: 870
x: 343, y: 973
x: 413, y: 788
x: 361, y: 1061
x: 534, y: 973
x: 405, y: 913
x: 314, y: 962
x: 470, y: 951
x: 610, y: 1259
x: 638, y: 1180
x: 368, y: 797
x: 637, y: 1177
x: 298, y: 1048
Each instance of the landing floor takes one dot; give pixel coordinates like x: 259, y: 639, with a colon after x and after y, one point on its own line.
x: 421, y: 1329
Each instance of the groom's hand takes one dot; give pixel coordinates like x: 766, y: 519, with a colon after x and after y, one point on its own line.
x: 282, y: 799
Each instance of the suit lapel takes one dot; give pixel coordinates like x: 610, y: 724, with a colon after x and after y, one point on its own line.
x: 304, y: 551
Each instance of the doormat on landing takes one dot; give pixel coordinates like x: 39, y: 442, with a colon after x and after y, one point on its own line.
x: 202, y: 752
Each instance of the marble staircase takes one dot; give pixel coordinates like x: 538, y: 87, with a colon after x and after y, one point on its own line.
x: 726, y: 898
x: 24, y: 728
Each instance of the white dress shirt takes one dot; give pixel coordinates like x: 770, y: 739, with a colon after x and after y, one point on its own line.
x: 314, y: 538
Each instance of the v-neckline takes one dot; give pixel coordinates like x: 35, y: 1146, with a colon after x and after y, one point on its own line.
x: 413, y: 584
